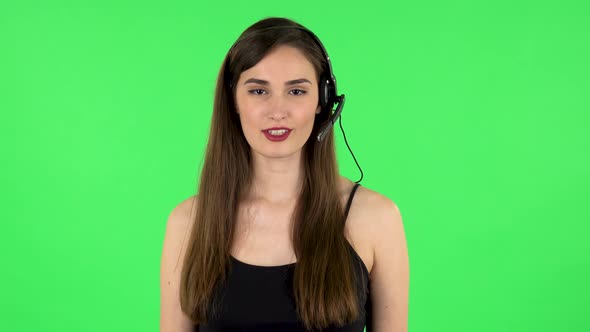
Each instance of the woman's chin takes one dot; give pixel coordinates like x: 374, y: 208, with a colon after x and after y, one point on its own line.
x: 279, y: 153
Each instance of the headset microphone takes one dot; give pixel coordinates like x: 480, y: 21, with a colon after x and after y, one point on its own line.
x: 325, y: 128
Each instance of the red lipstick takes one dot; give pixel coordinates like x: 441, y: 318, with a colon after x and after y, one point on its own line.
x: 277, y: 134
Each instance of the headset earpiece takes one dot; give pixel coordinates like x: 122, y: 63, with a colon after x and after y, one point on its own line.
x: 327, y: 92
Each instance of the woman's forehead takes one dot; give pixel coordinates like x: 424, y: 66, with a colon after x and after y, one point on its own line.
x: 282, y: 64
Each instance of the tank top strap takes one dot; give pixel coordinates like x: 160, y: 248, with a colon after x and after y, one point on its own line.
x: 350, y: 199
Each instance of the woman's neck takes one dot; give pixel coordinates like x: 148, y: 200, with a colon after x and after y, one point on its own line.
x: 276, y: 180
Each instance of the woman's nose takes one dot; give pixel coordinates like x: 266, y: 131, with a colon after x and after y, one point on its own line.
x: 278, y: 108
x: 278, y: 115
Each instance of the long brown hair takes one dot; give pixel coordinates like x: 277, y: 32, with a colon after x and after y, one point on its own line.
x: 324, y: 282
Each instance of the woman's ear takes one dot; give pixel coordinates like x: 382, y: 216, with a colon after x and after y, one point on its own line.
x: 319, y: 109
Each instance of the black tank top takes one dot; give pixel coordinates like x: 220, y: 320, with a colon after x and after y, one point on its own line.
x: 260, y: 298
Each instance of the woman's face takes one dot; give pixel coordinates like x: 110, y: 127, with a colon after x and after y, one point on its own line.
x: 277, y: 101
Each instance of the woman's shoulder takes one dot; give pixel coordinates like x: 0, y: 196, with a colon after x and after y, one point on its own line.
x: 369, y: 220
x: 181, y: 217
x: 186, y: 207
x: 366, y: 200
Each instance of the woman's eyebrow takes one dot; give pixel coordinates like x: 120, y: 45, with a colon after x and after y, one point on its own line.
x: 263, y: 82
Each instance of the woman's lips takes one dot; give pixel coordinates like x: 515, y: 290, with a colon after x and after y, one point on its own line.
x: 275, y: 136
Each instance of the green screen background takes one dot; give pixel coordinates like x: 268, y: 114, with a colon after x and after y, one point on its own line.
x: 471, y: 115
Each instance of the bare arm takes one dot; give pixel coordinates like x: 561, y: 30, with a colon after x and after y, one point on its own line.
x: 390, y: 273
x: 178, y: 227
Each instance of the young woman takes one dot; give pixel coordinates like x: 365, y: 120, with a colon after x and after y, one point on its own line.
x: 273, y: 240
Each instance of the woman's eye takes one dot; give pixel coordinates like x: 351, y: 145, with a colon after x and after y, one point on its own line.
x: 296, y: 92
x: 301, y: 92
x: 255, y: 90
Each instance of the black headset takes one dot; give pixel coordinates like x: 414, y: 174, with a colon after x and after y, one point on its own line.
x: 328, y: 95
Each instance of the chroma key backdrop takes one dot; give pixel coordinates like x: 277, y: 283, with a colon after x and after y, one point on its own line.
x: 472, y: 116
